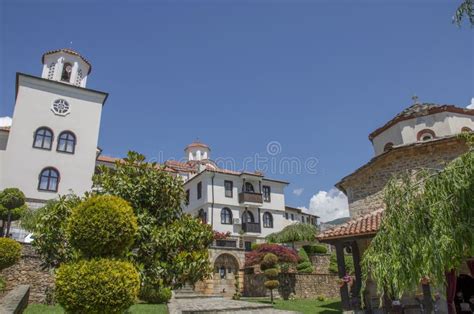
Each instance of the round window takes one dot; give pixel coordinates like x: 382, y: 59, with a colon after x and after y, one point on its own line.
x: 61, y: 107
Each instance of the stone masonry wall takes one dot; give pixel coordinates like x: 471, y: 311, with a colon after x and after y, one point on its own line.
x: 28, y: 272
x: 320, y: 263
x: 301, y: 285
x: 365, y: 188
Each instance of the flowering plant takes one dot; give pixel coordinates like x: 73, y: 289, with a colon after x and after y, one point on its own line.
x: 221, y: 235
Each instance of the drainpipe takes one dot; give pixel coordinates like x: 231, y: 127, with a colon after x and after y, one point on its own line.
x: 212, y: 205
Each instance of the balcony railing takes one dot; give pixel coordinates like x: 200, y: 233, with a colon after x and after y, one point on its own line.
x: 250, y: 197
x: 251, y: 227
x: 226, y: 243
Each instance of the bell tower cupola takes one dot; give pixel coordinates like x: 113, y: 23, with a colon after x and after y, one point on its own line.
x: 66, y: 66
x: 197, y: 151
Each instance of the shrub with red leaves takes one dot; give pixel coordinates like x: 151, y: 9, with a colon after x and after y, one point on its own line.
x: 285, y: 255
x: 221, y: 235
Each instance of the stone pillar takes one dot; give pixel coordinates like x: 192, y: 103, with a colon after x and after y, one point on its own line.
x: 341, y: 266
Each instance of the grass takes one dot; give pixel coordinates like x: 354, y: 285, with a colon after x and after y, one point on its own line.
x: 306, y: 306
x: 135, y: 309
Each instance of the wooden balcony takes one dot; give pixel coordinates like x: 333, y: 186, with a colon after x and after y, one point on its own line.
x: 250, y: 197
x: 226, y: 243
x: 251, y: 227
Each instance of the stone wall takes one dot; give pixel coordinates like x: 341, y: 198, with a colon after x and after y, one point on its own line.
x: 364, y: 187
x: 303, y: 286
x: 28, y: 272
x: 320, y: 263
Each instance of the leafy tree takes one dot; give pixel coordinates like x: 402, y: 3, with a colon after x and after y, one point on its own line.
x: 426, y: 230
x: 171, y: 248
x: 294, y: 233
x: 12, y: 207
x: 49, y: 230
x: 284, y: 254
x: 465, y: 9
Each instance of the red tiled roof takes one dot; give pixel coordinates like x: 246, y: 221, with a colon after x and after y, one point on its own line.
x: 180, y: 166
x: 71, y: 52
x: 108, y: 159
x: 197, y: 144
x: 419, y: 110
x: 365, y: 225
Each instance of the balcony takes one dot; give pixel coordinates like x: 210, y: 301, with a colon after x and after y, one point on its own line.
x: 250, y: 197
x: 226, y: 243
x: 251, y: 227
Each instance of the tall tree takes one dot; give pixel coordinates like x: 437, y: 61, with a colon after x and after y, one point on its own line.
x: 12, y: 207
x: 426, y: 229
x: 465, y: 9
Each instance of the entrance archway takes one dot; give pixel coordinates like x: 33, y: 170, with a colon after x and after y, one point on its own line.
x: 226, y: 267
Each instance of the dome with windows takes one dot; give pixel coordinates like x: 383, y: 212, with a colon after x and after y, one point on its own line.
x: 66, y: 66
x: 197, y: 151
x: 421, y: 122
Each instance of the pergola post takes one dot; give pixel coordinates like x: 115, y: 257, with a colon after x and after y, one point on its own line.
x: 358, y: 273
x: 341, y: 267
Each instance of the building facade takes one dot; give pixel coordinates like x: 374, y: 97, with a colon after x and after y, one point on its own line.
x: 423, y: 136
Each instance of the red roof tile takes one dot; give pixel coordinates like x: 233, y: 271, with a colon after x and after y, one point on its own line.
x: 365, y: 225
x: 71, y: 52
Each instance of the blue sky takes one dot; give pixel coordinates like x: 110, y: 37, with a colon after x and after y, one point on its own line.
x: 315, y: 76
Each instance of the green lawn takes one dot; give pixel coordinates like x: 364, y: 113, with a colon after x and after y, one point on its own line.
x: 306, y: 306
x: 135, y: 309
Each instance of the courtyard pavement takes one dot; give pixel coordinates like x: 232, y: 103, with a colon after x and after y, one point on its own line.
x: 220, y: 306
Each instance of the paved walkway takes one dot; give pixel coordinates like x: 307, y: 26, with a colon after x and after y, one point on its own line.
x: 220, y: 306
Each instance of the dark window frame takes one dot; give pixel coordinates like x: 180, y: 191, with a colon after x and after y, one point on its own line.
x: 199, y: 190
x: 292, y: 217
x: 247, y: 186
x: 68, y: 141
x: 202, y: 215
x: 226, y: 216
x: 65, y: 75
x: 267, y: 220
x: 186, y: 199
x: 49, y: 177
x: 51, y: 136
x: 249, y: 214
x: 231, y: 190
x: 267, y: 196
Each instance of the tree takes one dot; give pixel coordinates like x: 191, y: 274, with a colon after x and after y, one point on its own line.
x: 294, y: 233
x: 426, y: 228
x: 270, y: 270
x: 284, y: 255
x: 171, y: 248
x: 465, y: 9
x: 12, y: 207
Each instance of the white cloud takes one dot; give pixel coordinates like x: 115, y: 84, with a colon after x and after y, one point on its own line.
x: 5, y: 121
x: 328, y: 205
x: 298, y: 191
x: 471, y: 106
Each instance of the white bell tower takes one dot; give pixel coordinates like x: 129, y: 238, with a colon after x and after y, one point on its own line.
x: 66, y: 66
x: 197, y: 151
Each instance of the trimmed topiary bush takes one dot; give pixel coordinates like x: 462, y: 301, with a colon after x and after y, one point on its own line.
x: 304, y: 265
x: 271, y: 272
x: 10, y: 252
x: 269, y: 261
x: 271, y: 284
x: 97, y: 286
x: 154, y: 295
x: 102, y: 226
x: 269, y: 266
x: 315, y: 249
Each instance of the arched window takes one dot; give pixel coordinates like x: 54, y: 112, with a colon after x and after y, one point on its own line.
x: 202, y: 215
x: 43, y: 138
x: 388, y: 147
x: 425, y: 135
x: 249, y: 187
x: 226, y: 216
x: 66, y: 142
x: 48, y: 180
x: 247, y: 217
x: 466, y: 129
x: 67, y: 70
x: 267, y: 220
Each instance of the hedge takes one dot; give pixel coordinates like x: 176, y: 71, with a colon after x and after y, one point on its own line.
x: 10, y: 252
x: 315, y: 249
x: 97, y: 286
x: 304, y: 264
x: 155, y: 295
x: 102, y: 226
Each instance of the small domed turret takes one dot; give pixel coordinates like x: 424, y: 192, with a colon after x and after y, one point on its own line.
x: 66, y: 66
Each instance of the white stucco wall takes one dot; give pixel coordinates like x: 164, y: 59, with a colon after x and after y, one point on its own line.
x: 22, y: 163
x: 405, y: 132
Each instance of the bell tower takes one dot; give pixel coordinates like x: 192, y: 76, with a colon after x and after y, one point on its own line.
x: 66, y: 66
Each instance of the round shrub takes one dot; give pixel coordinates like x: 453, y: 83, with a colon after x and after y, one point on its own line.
x: 315, y: 249
x: 269, y: 261
x: 12, y: 198
x: 271, y: 284
x: 102, y: 226
x: 97, y: 286
x: 254, y: 246
x: 271, y: 273
x: 154, y: 295
x: 10, y: 252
